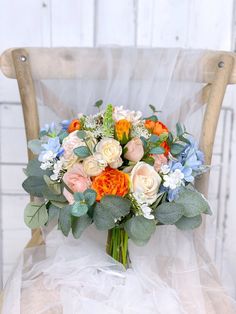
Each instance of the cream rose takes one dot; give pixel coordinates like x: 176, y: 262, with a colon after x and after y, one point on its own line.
x: 94, y: 165
x: 145, y: 183
x: 69, y: 143
x: 110, y: 149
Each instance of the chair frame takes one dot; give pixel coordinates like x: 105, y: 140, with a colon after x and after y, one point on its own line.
x: 220, y: 70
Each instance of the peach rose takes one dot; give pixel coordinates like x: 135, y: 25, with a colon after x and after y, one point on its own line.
x: 145, y: 183
x: 77, y: 180
x: 160, y: 160
x: 135, y: 150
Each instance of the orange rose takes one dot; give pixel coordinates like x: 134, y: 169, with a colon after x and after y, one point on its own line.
x: 160, y: 128
x: 111, y: 181
x: 74, y: 125
x: 122, y: 128
x: 149, y: 124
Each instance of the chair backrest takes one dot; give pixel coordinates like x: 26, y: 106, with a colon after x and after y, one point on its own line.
x: 219, y: 70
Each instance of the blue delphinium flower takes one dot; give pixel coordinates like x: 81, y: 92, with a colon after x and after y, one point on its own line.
x: 49, y: 130
x: 51, y: 150
x: 191, y: 156
x: 65, y: 124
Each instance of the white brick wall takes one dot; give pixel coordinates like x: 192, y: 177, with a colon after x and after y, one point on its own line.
x: 86, y: 23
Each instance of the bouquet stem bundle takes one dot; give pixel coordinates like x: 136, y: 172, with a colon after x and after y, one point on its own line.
x: 117, y: 245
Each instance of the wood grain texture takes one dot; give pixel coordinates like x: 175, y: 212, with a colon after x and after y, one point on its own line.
x: 59, y: 63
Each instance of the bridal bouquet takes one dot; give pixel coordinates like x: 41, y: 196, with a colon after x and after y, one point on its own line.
x: 125, y: 173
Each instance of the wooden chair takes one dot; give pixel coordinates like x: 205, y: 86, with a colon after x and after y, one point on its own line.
x: 219, y: 70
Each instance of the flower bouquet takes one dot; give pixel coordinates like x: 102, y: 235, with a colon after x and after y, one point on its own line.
x: 125, y: 173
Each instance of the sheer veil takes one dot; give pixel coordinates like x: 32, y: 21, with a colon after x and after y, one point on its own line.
x: 173, y: 273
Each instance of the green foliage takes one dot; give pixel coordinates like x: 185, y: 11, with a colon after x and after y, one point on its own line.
x: 180, y: 129
x: 79, y: 225
x: 53, y: 211
x: 82, y: 151
x: 168, y: 213
x: 108, y: 122
x: 35, y: 215
x: 90, y: 197
x: 35, y: 146
x: 54, y: 186
x: 79, y: 209
x: 65, y: 220
x: 176, y: 149
x: 35, y: 186
x: 110, y: 208
x: 33, y: 169
x: 152, y: 118
x: 62, y: 135
x: 154, y: 138
x: 193, y: 203
x: 157, y: 150
x: 98, y: 103
x: 81, y: 134
x: 140, y: 229
x: 149, y: 160
x: 153, y: 108
x: 186, y: 223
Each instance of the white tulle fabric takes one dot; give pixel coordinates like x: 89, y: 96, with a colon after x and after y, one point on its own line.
x: 173, y: 273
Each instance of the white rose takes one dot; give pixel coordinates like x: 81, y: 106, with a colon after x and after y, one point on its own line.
x: 69, y: 143
x: 110, y: 149
x: 94, y: 165
x: 121, y: 113
x: 116, y: 164
x: 145, y: 182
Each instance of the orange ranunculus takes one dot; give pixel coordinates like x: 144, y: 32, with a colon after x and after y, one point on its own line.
x: 160, y: 128
x: 74, y: 125
x: 166, y: 148
x: 122, y: 128
x: 149, y: 124
x: 111, y: 181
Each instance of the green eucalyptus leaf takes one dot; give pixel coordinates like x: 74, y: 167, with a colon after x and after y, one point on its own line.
x: 152, y: 118
x: 79, y: 197
x: 79, y: 225
x: 187, y: 223
x: 82, y: 151
x: 65, y: 220
x: 35, y: 146
x: 149, y: 160
x: 35, y: 215
x: 98, y: 103
x: 78, y: 209
x: 33, y: 169
x: 103, y: 219
x: 193, y: 203
x: 163, y: 136
x: 63, y: 135
x: 180, y: 129
x: 169, y: 213
x: 116, y: 205
x: 154, y: 138
x: 54, y: 186
x: 81, y: 134
x: 47, y: 194
x: 157, y: 150
x: 90, y: 197
x: 59, y: 204
x: 140, y: 229
x: 176, y: 149
x: 35, y: 186
x: 53, y: 212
